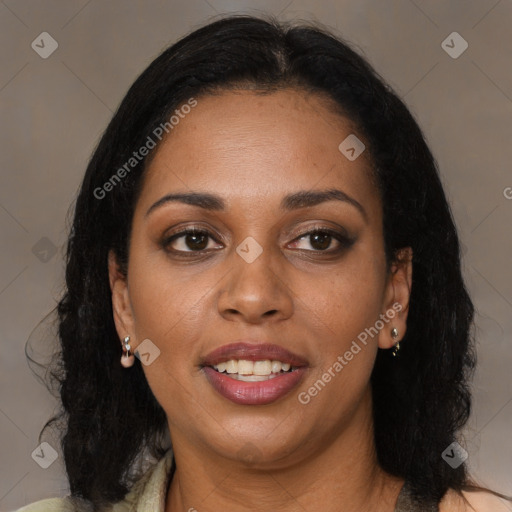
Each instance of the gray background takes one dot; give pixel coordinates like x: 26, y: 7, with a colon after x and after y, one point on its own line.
x: 53, y: 112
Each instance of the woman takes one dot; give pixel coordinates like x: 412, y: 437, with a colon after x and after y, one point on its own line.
x: 264, y: 226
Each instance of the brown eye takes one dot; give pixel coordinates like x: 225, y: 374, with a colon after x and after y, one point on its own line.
x: 188, y: 240
x: 321, y: 240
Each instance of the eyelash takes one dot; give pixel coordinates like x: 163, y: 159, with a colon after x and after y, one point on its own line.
x: 344, y: 241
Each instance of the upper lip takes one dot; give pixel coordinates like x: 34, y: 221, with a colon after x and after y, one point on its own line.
x: 252, y: 350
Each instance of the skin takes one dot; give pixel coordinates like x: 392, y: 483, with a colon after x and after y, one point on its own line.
x: 252, y: 150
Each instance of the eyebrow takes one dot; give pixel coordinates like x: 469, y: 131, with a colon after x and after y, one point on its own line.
x: 295, y: 201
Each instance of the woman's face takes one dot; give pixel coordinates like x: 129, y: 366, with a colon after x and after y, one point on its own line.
x: 257, y: 276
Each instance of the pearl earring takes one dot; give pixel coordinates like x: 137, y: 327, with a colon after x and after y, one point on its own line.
x: 127, y: 359
x: 396, y: 347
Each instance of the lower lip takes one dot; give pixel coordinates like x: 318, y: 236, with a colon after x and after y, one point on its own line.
x: 253, y: 393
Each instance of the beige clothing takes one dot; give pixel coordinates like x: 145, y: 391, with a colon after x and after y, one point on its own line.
x: 148, y: 494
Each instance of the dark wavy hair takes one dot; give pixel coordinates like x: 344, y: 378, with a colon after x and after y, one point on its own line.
x: 109, y: 416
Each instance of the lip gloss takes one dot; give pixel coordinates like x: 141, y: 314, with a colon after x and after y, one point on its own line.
x: 254, y: 393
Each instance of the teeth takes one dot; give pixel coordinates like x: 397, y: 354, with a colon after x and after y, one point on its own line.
x: 231, y: 366
x: 221, y: 367
x: 245, y: 367
x: 252, y: 371
x: 276, y: 366
x: 252, y: 378
x: 262, y: 367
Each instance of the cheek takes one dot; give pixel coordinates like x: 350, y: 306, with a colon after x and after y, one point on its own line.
x: 342, y: 307
x: 168, y: 305
x: 345, y: 348
x: 345, y: 300
x: 342, y: 313
x: 169, y: 310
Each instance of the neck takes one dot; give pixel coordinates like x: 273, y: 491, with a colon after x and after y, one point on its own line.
x: 340, y: 476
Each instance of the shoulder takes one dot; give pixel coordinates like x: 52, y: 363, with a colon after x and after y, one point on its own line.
x: 69, y: 504
x: 148, y: 493
x: 473, y: 501
x: 53, y: 505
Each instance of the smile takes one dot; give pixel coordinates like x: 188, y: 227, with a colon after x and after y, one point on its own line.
x: 253, y: 371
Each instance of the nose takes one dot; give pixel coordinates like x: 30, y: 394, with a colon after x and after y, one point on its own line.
x: 255, y: 292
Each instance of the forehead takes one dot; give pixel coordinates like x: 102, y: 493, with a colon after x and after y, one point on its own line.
x: 246, y: 146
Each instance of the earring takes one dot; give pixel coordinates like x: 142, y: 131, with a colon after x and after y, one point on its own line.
x: 396, y: 347
x: 127, y: 359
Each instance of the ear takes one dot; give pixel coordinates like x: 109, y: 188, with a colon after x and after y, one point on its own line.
x: 396, y: 298
x: 121, y: 306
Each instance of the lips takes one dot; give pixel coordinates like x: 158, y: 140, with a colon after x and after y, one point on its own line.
x: 253, y: 352
x: 254, y: 393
